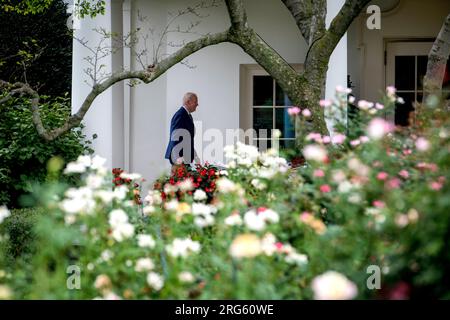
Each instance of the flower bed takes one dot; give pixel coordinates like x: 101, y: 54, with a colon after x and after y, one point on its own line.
x: 199, y: 182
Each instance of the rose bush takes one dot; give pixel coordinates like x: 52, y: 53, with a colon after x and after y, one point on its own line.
x: 366, y: 216
x: 120, y: 178
x: 198, y: 182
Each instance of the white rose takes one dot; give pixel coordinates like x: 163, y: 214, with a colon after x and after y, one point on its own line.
x: 117, y: 217
x: 144, y: 264
x: 315, y: 153
x: 155, y: 281
x: 199, y: 195
x: 145, y: 241
x: 333, y: 286
x: 186, y: 276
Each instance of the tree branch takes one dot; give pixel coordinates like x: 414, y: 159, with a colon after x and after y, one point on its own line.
x: 237, y: 13
x: 309, y: 16
x: 146, y: 76
x: 270, y: 60
x: 341, y: 22
x: 316, y: 63
x: 437, y: 61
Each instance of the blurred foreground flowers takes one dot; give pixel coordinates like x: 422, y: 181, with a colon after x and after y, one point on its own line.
x: 379, y: 197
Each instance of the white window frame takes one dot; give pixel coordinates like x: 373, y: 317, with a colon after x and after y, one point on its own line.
x: 247, y: 71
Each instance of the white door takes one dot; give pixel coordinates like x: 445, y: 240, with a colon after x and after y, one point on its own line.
x: 406, y: 66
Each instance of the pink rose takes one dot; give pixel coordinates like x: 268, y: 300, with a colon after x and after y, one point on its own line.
x: 318, y: 173
x: 404, y: 174
x: 293, y: 111
x: 382, y: 175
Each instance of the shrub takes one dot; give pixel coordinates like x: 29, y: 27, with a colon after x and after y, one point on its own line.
x: 24, y: 154
x: 185, y: 180
x: 19, y: 227
x: 18, y: 248
x: 43, y: 43
x: 121, y: 178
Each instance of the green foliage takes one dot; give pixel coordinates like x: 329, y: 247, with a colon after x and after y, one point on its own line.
x: 37, y: 49
x: 30, y: 7
x: 19, y: 248
x: 19, y: 227
x: 89, y: 7
x: 23, y: 154
x: 25, y: 7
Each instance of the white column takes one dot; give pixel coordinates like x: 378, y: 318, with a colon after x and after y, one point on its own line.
x: 126, y: 89
x: 337, y: 67
x: 105, y: 116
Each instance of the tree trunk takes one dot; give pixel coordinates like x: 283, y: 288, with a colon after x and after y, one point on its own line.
x: 437, y: 61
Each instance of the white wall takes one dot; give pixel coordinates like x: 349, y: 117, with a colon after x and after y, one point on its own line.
x: 148, y: 123
x: 354, y: 53
x: 337, y: 67
x: 412, y: 19
x: 215, y: 77
x: 98, y: 119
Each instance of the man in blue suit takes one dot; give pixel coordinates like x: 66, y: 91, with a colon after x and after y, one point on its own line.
x: 181, y: 143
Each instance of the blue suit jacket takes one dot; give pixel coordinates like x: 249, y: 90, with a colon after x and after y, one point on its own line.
x: 181, y: 120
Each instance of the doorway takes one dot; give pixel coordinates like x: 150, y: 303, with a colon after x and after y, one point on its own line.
x: 406, y: 65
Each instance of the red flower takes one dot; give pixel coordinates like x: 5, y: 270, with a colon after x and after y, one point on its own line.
x: 117, y: 171
x: 261, y: 209
x: 401, y: 291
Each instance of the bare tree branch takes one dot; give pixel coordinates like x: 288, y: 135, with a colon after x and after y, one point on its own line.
x: 256, y: 47
x: 316, y: 62
x: 189, y: 10
x: 146, y: 76
x: 437, y: 61
x: 237, y: 13
x: 301, y: 10
x: 309, y: 16
x: 303, y: 89
x: 341, y: 22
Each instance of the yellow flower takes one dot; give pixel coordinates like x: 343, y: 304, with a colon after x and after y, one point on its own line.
x: 5, y: 292
x: 246, y: 246
x: 182, y: 209
x: 318, y: 226
x: 103, y: 283
x: 311, y: 221
x: 128, y: 294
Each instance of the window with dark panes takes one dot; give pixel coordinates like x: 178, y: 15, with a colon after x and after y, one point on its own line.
x: 270, y: 105
x: 409, y: 74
